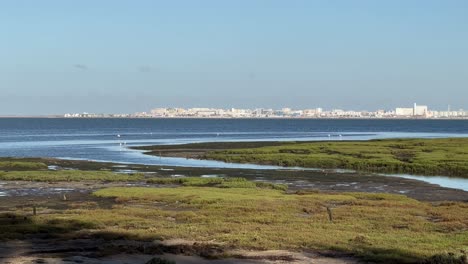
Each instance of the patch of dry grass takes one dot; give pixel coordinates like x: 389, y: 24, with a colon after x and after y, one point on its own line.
x: 378, y: 227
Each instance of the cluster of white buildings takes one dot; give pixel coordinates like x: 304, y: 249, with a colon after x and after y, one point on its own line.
x: 422, y: 111
x: 91, y: 115
x: 229, y: 113
x: 417, y: 111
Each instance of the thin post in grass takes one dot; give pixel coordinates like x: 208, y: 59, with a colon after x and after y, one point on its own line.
x: 330, y: 214
x: 34, y: 210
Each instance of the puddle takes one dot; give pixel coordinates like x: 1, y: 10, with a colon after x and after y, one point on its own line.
x: 213, y: 176
x: 63, y: 189
x: 53, y: 167
x: 342, y: 184
x: 37, y: 191
x: 343, y: 171
x: 449, y: 182
x: 126, y: 171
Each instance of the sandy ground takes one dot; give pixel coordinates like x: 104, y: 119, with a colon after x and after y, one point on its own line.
x: 86, y: 251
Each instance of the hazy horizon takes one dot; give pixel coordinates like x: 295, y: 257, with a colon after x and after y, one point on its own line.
x: 130, y: 56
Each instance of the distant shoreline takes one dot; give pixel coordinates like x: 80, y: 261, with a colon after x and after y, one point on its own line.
x: 242, y: 118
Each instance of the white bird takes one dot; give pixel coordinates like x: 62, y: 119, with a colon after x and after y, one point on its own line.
x: 118, y: 135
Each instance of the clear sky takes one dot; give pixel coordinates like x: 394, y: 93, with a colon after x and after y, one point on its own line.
x: 125, y: 56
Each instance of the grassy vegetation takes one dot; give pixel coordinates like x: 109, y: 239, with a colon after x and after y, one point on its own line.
x: 377, y: 227
x: 373, y: 226
x: 253, y: 215
x: 416, y: 156
x: 217, y: 182
x: 22, y: 165
x: 77, y: 175
x: 17, y: 226
x: 69, y: 175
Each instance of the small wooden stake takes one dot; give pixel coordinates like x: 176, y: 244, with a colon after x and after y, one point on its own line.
x: 330, y: 214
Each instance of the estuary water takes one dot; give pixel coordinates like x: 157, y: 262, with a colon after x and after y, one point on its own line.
x: 110, y: 139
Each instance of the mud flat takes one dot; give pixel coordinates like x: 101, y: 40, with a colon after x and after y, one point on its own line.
x: 322, y: 179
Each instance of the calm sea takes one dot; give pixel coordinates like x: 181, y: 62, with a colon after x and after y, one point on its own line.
x: 108, y: 139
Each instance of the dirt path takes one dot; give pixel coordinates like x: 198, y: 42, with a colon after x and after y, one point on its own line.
x: 90, y: 251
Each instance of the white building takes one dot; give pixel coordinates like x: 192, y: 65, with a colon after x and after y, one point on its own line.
x: 404, y: 111
x: 420, y: 110
x: 417, y: 110
x: 157, y: 112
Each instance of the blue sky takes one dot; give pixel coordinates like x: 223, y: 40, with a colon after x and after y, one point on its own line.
x: 125, y: 56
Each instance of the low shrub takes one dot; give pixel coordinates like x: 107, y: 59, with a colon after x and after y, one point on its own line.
x: 234, y: 182
x: 21, y: 165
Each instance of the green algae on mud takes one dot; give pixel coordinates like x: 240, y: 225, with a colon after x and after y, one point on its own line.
x: 221, y: 182
x: 17, y: 165
x: 325, y: 180
x: 68, y: 175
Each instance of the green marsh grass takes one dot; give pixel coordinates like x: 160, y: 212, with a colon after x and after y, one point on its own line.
x: 234, y: 182
x: 384, y: 228
x: 22, y: 165
x: 67, y: 175
x: 377, y: 227
x: 447, y: 157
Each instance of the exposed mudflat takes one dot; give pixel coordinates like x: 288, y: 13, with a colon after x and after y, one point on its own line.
x: 323, y: 180
x: 296, y: 180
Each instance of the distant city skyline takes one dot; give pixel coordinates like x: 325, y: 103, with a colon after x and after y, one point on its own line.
x: 416, y: 111
x: 114, y: 56
x: 403, y: 109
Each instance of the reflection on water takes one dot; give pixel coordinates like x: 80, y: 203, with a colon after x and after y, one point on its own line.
x: 449, y: 182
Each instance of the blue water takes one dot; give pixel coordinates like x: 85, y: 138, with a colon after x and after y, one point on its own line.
x: 97, y: 139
